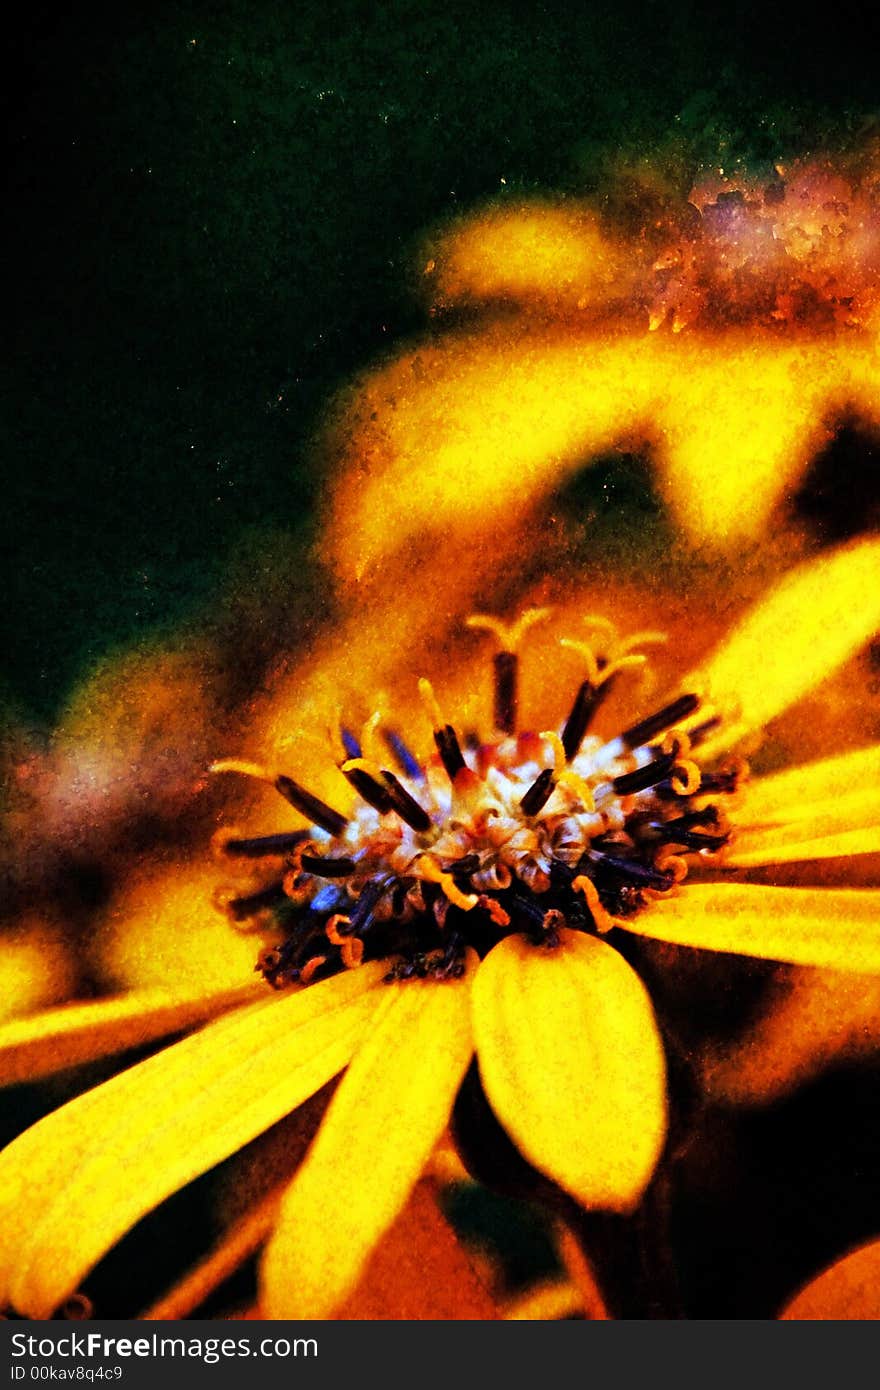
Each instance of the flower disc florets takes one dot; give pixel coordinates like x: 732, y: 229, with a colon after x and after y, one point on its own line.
x: 524, y: 832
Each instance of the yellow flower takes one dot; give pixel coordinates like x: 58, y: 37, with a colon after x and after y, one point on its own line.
x: 462, y: 910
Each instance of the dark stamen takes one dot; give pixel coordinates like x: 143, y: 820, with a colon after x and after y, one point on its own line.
x: 632, y: 869
x: 449, y: 749
x: 726, y: 780
x: 527, y: 914
x: 350, y: 743
x: 505, y: 664
x: 315, y: 810
x: 539, y: 792
x: 370, y: 791
x: 362, y: 912
x: 644, y: 777
x: 267, y: 844
x: 707, y: 816
x: 239, y: 908
x: 586, y: 703
x: 406, y: 761
x: 691, y: 839
x: 680, y: 829
x: 700, y: 733
x: 405, y: 805
x: 327, y: 867
x: 664, y: 718
x: 463, y: 867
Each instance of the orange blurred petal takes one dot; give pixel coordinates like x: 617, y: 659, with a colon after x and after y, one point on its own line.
x: 849, y: 1290
x: 817, y: 1018
x: 419, y: 1272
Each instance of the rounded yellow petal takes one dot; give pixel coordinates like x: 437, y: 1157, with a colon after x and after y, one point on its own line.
x: 837, y: 928
x: 572, y: 1064
x: 849, y: 1290
x: 74, y: 1183
x: 382, y: 1124
x: 816, y: 617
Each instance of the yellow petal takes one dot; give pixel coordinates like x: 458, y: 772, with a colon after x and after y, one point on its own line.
x: 44, y: 1043
x: 794, y: 793
x: 572, y: 1064
x: 742, y: 423
x: 780, y: 846
x: 37, y: 966
x: 383, y: 1122
x: 127, y: 1145
x: 849, y: 810
x: 816, y: 617
x: 834, y: 927
x: 817, y: 1018
x: 847, y: 1291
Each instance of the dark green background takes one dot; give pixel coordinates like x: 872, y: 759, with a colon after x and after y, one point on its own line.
x: 210, y: 216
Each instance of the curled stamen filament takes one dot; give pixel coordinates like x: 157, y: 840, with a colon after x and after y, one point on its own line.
x: 601, y: 916
x: 430, y: 869
x: 686, y: 777
x: 668, y: 863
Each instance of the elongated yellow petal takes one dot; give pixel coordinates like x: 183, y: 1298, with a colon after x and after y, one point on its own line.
x: 44, y: 1043
x: 389, y: 1111
x: 795, y: 793
x: 572, y: 1064
x: 820, y: 614
x: 127, y: 1145
x: 850, y: 810
x: 772, y: 847
x: 848, y: 1290
x: 837, y: 928
x: 847, y: 824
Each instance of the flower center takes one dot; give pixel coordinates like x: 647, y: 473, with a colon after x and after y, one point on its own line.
x: 522, y: 832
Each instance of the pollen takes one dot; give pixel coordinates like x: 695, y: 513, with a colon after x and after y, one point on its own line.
x: 514, y: 831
